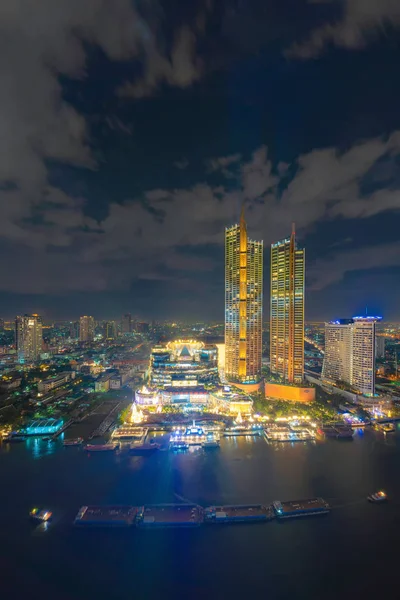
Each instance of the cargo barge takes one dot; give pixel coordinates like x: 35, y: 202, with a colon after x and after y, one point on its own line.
x: 106, y: 516
x: 238, y: 513
x: 300, y: 508
x: 169, y: 515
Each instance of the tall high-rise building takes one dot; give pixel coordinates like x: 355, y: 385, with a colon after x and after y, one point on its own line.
x: 111, y: 330
x: 350, y: 353
x: 287, y: 310
x: 126, y: 324
x: 243, y: 305
x: 28, y: 337
x: 86, y: 329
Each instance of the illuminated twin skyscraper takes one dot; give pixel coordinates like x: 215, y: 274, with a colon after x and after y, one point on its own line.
x: 243, y: 305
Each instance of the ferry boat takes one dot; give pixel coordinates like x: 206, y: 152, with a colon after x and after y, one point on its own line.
x: 40, y: 514
x: 179, y: 446
x: 73, y: 442
x: 101, y: 447
x: 380, y: 496
x: 193, y: 435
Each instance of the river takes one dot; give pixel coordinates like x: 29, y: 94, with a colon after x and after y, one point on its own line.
x: 349, y: 553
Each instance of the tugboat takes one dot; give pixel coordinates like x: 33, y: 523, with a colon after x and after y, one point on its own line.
x: 40, y: 514
x: 380, y: 496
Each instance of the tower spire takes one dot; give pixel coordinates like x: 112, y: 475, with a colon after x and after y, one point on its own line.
x: 293, y: 229
x: 242, y: 219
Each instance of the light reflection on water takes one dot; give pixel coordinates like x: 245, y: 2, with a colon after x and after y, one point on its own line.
x: 39, y: 447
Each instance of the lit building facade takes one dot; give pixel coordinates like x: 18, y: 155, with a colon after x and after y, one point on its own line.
x: 86, y: 329
x: 350, y: 353
x: 183, y: 364
x: 243, y: 305
x: 111, y: 330
x: 29, y: 338
x: 287, y: 310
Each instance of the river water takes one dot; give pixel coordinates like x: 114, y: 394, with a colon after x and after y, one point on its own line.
x: 351, y: 553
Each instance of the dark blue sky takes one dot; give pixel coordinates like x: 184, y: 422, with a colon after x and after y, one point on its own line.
x: 132, y: 133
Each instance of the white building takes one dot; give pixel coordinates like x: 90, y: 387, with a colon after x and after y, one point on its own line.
x: 350, y: 353
x: 52, y: 383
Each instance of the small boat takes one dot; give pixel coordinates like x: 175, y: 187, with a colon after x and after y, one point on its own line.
x: 40, y: 514
x: 101, y: 447
x: 209, y: 444
x: 13, y: 439
x: 380, y: 496
x: 73, y: 442
x: 388, y: 427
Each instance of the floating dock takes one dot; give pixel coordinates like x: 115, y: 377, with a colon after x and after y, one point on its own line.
x: 236, y: 513
x: 106, y: 516
x: 169, y: 515
x: 300, y: 508
x: 284, y: 434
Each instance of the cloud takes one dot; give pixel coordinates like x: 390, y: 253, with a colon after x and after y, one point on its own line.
x: 222, y: 162
x: 182, y: 68
x: 361, y: 20
x: 331, y: 270
x: 162, y: 234
x: 327, y: 184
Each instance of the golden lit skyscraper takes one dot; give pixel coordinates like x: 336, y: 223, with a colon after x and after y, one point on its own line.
x: 287, y: 310
x: 243, y: 305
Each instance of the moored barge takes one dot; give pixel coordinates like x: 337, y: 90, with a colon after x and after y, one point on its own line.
x: 169, y: 515
x: 300, y: 508
x: 106, y: 516
x: 238, y: 513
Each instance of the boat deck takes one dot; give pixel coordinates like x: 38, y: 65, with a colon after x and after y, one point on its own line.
x: 297, y: 508
x: 250, y: 512
x: 164, y: 515
x: 106, y: 516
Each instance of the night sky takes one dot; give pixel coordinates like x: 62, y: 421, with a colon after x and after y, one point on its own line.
x: 132, y: 131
